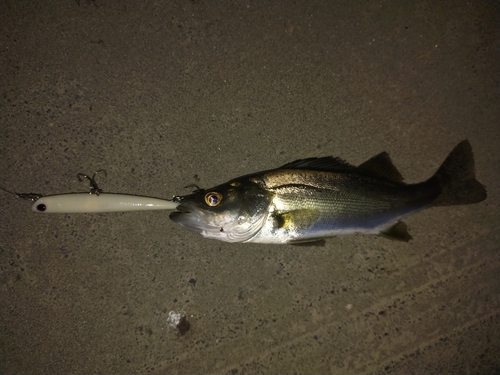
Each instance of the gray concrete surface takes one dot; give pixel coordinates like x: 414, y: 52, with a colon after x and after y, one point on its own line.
x: 165, y: 94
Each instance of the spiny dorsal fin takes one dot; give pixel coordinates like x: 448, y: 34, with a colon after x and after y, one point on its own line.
x: 381, y: 166
x: 327, y: 163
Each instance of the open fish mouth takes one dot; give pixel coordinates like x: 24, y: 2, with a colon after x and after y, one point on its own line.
x: 182, y: 209
x: 189, y: 218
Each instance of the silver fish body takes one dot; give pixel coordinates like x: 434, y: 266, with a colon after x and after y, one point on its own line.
x: 311, y: 199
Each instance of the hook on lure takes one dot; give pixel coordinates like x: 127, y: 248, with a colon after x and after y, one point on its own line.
x: 193, y: 186
x: 94, y: 189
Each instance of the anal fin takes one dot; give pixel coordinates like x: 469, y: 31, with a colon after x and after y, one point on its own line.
x: 397, y: 232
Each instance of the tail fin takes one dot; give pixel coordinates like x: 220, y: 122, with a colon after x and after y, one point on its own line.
x: 457, y: 179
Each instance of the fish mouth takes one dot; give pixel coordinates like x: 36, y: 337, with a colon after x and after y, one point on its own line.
x: 185, y: 217
x: 195, y: 220
x: 181, y: 209
x: 224, y: 227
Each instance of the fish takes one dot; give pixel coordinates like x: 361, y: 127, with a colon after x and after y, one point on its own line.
x: 312, y: 199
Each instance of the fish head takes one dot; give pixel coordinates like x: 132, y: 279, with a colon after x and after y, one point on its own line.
x: 232, y: 212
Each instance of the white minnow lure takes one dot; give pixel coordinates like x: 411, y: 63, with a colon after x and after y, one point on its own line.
x: 104, y: 202
x: 96, y: 201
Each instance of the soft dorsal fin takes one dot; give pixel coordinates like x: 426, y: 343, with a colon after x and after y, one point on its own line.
x: 381, y: 166
x: 327, y: 163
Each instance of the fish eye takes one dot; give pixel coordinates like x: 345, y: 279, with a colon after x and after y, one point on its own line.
x: 213, y: 198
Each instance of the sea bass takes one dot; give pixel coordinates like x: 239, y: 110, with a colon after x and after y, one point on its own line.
x: 312, y: 199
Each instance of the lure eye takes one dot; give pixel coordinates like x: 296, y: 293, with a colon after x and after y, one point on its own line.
x: 41, y: 207
x: 213, y: 198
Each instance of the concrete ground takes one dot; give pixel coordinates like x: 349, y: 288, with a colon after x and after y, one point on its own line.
x: 163, y: 94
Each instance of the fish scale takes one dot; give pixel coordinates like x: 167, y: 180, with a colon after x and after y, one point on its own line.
x: 346, y: 204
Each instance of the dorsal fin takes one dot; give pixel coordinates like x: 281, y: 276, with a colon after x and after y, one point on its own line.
x: 327, y: 163
x: 381, y: 166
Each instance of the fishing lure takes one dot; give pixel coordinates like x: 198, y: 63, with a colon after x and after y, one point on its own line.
x: 94, y: 201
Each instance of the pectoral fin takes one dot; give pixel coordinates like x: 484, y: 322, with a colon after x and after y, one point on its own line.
x: 297, y: 220
x: 398, y: 232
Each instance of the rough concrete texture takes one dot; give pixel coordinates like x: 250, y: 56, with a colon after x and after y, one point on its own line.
x: 163, y: 94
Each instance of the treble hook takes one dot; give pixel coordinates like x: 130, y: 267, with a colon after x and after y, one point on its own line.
x: 193, y: 185
x: 94, y: 189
